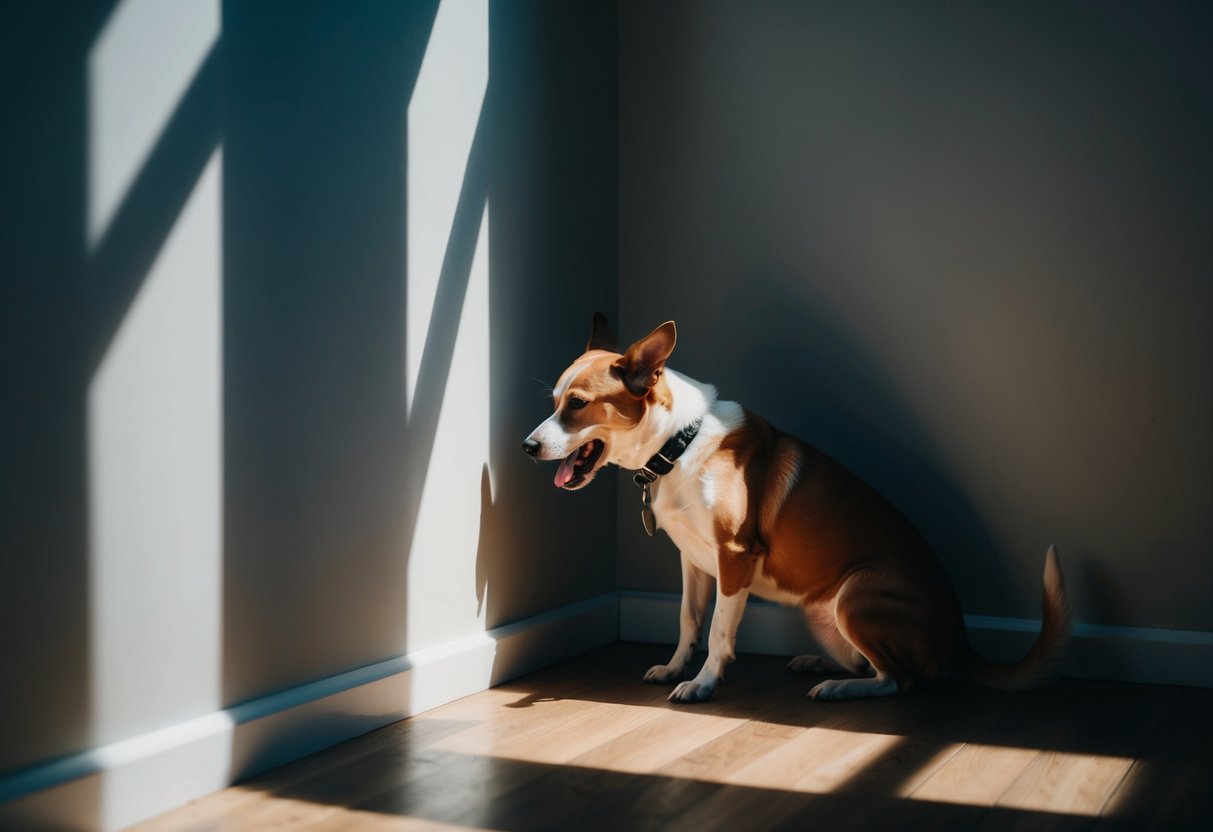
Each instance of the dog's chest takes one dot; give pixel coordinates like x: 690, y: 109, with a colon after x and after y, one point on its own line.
x: 685, y: 512
x: 683, y: 506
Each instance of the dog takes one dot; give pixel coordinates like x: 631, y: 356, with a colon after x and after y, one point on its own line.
x: 767, y: 514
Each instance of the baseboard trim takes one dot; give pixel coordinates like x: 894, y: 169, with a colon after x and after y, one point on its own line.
x: 1122, y: 654
x: 128, y: 781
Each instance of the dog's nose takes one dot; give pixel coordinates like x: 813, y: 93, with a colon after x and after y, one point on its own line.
x: 531, y: 447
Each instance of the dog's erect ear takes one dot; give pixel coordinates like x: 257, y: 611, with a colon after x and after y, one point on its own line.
x: 603, y: 337
x: 642, y: 365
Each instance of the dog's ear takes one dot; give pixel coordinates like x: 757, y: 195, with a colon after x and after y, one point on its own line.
x: 602, y: 337
x: 642, y: 365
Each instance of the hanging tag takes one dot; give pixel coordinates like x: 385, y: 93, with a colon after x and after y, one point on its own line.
x: 646, y: 513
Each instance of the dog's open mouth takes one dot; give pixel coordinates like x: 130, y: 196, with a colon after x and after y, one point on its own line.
x: 576, y: 468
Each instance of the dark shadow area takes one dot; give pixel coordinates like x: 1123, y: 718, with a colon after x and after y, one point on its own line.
x: 553, y: 162
x: 324, y: 469
x: 316, y: 445
x: 821, y: 376
x: 53, y: 329
x: 1171, y: 777
x: 1021, y: 243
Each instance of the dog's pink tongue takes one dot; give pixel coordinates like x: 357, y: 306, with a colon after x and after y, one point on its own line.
x: 565, y: 472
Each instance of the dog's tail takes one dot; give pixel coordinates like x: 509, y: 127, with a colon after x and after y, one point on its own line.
x: 1042, y: 660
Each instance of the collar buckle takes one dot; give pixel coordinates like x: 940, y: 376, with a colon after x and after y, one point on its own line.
x: 644, y: 477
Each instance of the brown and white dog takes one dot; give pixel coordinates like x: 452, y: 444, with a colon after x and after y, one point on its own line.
x: 765, y: 513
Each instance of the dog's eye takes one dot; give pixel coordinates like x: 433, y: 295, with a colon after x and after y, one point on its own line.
x: 576, y: 403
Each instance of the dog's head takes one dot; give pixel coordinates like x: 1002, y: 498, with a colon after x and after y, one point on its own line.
x: 604, y: 406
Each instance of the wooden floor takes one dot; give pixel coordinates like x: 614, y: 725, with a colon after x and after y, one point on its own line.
x: 586, y: 745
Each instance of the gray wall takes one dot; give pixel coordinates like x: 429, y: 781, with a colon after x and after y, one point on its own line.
x: 211, y: 473
x: 963, y: 248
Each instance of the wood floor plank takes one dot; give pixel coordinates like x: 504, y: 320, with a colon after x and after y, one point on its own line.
x: 458, y: 789
x: 1102, y: 729
x: 737, y: 748
x: 232, y: 807
x: 1170, y: 785
x: 205, y: 814
x: 574, y: 731
x: 585, y: 745
x: 816, y: 760
x: 657, y: 741
x: 736, y: 807
x: 976, y: 774
x: 1056, y: 781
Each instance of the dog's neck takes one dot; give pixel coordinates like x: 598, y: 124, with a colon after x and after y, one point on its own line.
x: 690, y: 401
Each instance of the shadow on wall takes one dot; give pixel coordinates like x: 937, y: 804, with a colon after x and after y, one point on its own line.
x: 553, y: 251
x: 56, y: 316
x: 823, y: 376
x: 320, y: 496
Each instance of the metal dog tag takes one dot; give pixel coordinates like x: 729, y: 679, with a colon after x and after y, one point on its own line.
x: 646, y: 513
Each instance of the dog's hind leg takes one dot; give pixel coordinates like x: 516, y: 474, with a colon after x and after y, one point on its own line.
x: 696, y: 590
x: 870, y: 624
x: 840, y: 655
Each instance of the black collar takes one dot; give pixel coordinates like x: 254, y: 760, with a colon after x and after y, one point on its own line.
x: 662, y: 462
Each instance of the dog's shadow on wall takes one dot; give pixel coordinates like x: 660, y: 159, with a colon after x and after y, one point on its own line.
x: 813, y: 376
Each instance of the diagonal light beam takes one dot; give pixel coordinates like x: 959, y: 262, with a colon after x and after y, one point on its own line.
x: 141, y: 61
x: 149, y: 210
x: 443, y: 114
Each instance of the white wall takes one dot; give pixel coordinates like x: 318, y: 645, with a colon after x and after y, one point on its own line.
x: 964, y: 251
x: 276, y: 286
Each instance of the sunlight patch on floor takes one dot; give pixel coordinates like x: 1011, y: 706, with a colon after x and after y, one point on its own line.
x: 818, y: 760
x: 706, y: 746
x: 1022, y: 778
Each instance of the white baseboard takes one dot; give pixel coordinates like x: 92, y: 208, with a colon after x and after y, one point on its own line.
x: 1123, y: 654
x: 125, y: 782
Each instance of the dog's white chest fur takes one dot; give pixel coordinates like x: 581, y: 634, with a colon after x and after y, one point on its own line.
x: 683, y: 509
x: 684, y: 500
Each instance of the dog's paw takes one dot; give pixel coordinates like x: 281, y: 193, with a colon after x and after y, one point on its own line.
x: 691, y: 692
x: 805, y: 664
x: 824, y: 691
x: 663, y: 674
x: 815, y: 664
x: 839, y: 689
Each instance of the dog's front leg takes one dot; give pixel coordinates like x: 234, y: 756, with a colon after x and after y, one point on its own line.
x: 722, y: 639
x: 696, y: 589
